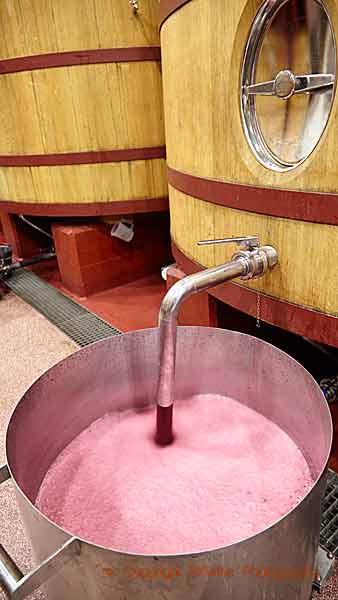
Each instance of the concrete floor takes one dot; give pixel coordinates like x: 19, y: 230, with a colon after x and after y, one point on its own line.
x: 30, y: 345
x: 127, y: 307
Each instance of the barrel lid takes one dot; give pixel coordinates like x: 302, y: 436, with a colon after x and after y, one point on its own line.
x: 288, y: 81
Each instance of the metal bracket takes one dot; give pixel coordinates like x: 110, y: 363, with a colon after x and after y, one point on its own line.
x: 19, y: 586
x: 324, y: 566
x: 134, y: 5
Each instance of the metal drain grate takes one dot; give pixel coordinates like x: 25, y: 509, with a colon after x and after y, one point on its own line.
x: 74, y: 320
x: 329, y: 526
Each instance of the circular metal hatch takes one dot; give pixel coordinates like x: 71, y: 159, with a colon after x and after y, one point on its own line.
x: 288, y: 81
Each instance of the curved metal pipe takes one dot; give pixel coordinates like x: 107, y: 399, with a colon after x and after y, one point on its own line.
x: 183, y: 289
x: 245, y: 264
x: 36, y: 227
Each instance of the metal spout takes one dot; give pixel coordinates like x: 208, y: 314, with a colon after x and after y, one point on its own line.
x: 247, y: 264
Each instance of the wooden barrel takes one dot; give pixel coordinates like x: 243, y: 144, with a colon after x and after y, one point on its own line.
x: 219, y: 185
x: 81, y: 110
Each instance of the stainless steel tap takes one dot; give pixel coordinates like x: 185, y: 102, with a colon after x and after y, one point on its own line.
x: 250, y: 262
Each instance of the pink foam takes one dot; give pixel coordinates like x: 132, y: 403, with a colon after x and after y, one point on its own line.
x: 229, y: 474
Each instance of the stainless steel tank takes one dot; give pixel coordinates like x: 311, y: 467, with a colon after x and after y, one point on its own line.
x: 119, y: 373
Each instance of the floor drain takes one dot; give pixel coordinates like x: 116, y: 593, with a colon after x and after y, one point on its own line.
x: 329, y: 525
x: 81, y: 325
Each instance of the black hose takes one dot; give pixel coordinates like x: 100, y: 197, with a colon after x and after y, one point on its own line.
x: 28, y: 262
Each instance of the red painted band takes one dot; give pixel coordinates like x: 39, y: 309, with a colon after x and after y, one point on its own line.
x: 81, y: 158
x: 303, y: 206
x: 99, y: 209
x: 304, y: 321
x: 168, y: 7
x: 79, y: 57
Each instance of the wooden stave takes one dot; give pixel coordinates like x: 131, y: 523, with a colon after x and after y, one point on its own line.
x: 42, y: 26
x: 148, y: 151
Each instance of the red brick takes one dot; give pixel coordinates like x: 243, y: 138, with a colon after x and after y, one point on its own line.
x: 90, y: 260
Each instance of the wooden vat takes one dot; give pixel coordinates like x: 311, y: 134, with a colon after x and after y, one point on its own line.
x: 81, y: 110
x: 219, y: 189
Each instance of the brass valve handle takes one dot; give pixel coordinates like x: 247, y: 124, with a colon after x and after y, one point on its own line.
x: 286, y: 84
